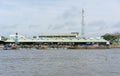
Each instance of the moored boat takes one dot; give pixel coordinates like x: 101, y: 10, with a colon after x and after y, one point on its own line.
x: 10, y: 47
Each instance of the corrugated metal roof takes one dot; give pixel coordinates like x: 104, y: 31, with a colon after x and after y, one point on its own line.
x: 60, y: 40
x: 57, y: 35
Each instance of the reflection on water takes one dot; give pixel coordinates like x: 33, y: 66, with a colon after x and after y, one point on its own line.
x: 60, y: 62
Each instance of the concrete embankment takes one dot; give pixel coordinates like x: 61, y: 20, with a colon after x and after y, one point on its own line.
x: 88, y: 47
x: 69, y: 47
x: 114, y: 46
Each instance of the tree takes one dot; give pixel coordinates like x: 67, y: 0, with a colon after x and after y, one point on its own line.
x: 3, y: 38
x: 34, y: 37
x: 112, y: 38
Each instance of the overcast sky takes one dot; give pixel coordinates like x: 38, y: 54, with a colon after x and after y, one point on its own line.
x: 33, y: 17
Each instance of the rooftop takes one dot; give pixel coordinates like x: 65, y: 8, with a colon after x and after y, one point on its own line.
x: 58, y: 35
x: 60, y: 40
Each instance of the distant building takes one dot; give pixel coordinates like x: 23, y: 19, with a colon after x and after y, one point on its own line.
x: 0, y: 38
x: 58, y: 35
x: 12, y: 37
x: 59, y: 39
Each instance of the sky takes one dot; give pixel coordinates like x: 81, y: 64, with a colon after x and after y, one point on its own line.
x: 34, y: 17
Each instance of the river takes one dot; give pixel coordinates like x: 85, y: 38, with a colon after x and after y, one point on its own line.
x: 60, y: 62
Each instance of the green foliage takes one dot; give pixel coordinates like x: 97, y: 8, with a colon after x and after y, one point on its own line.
x: 34, y: 37
x: 3, y: 38
x: 113, y: 38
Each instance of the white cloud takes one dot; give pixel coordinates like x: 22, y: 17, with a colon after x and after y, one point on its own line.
x: 62, y: 16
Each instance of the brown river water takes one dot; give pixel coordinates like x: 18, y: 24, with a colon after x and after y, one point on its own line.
x: 60, y: 62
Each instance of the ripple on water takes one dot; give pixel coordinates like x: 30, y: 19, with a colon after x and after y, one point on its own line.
x: 60, y: 62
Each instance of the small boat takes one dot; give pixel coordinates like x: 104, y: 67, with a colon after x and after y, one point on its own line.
x: 9, y: 47
x: 14, y: 47
x: 6, y: 47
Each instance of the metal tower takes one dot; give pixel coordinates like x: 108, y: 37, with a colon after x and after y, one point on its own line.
x: 82, y: 24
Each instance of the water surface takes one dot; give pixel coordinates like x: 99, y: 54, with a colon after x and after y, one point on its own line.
x: 60, y: 62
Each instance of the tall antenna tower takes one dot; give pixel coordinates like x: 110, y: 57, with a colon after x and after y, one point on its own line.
x: 82, y: 24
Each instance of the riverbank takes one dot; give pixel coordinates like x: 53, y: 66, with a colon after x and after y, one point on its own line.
x: 89, y: 47
x: 114, y: 46
x: 68, y: 47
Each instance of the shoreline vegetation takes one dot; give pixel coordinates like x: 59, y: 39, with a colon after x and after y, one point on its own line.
x: 114, y: 39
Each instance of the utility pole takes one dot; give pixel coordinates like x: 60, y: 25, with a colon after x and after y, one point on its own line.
x: 82, y: 24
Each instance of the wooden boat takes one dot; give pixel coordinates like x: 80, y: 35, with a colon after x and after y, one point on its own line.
x: 10, y: 47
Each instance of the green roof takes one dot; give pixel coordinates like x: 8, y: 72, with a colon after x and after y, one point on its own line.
x: 58, y: 35
x: 60, y: 40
